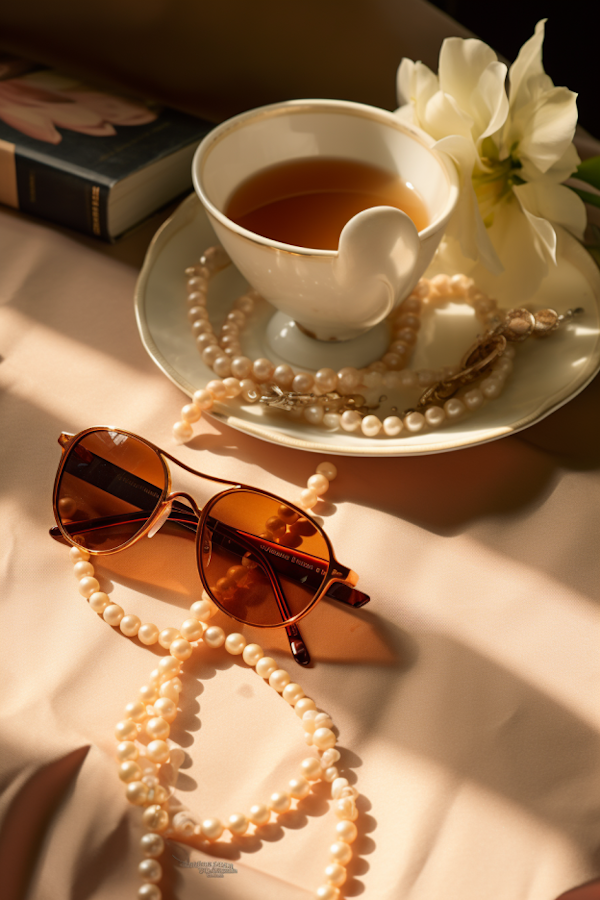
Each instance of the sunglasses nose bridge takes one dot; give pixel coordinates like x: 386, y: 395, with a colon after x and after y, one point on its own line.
x: 187, y: 497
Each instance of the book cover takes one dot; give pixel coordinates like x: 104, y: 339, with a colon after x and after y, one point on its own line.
x: 93, y: 161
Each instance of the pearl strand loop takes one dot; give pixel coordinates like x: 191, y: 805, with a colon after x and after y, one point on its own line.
x: 335, y: 400
x: 144, y: 752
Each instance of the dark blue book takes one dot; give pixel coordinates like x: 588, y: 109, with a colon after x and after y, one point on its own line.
x: 93, y: 161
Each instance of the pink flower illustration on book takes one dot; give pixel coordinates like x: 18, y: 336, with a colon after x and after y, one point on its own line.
x: 39, y: 112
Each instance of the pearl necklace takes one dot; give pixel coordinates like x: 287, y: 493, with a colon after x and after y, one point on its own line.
x: 331, y: 399
x: 146, y: 760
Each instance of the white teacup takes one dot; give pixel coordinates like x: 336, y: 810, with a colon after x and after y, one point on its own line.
x: 332, y: 295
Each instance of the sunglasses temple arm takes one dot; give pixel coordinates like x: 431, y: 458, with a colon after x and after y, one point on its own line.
x: 298, y: 648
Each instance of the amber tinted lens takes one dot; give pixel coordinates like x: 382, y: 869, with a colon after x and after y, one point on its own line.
x: 262, y: 561
x: 110, y: 485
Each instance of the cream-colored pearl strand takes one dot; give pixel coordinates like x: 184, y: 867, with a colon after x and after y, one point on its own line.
x: 237, y: 375
x: 143, y: 748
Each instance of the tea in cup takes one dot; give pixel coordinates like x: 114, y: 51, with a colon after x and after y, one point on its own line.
x: 332, y: 210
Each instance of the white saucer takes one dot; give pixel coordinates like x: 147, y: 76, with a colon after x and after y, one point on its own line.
x: 547, y: 373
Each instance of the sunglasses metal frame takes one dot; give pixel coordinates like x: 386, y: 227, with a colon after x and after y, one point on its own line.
x: 338, y: 583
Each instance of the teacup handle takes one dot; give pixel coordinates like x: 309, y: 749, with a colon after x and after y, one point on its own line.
x: 378, y: 246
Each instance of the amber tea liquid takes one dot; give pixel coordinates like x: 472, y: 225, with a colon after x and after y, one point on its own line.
x: 307, y: 202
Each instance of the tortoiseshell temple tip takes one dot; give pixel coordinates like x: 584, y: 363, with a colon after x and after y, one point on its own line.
x: 300, y: 653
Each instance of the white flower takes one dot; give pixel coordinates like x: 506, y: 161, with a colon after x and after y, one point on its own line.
x: 512, y: 151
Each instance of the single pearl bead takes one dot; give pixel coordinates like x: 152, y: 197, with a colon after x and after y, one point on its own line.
x: 280, y: 802
x: 350, y: 420
x: 348, y: 379
x: 393, y: 361
x: 181, y: 649
x: 152, y: 845
x: 166, y: 709
x: 345, y: 808
x: 279, y: 679
x: 214, y: 636
x: 314, y: 414
x: 238, y: 824
x: 434, y: 416
x: 311, y: 769
x: 491, y: 388
x: 241, y: 367
x: 130, y: 625
x: 373, y: 379
x: 148, y: 693
x: 303, y: 383
x: 233, y: 387
x: 266, y: 666
x: 155, y: 818
x: 473, y: 399
x: 340, y: 853
x: 203, y: 399
x: 190, y: 412
x: 212, y: 829
x: 78, y: 554
x: 191, y: 629
x: 252, y: 653
x: 327, y: 892
x: 125, y: 730
x: 127, y: 750
x: 245, y: 303
x: 283, y: 376
x: 158, y: 794
x: 183, y: 824
x: 158, y: 728
x: 371, y: 426
x: 454, y: 408
x: 324, y: 738
x: 113, y: 614
x: 148, y: 633
x: 303, y: 704
x: 203, y: 609
x: 136, y: 711
x: 149, y: 892
x: 182, y: 431
x: 308, y: 498
x: 327, y: 469
x: 259, y: 814
x: 292, y: 693
x: 346, y: 831
x: 331, y: 773
x: 235, y: 643
x: 318, y: 483
x: 99, y: 601
x: 217, y: 389
x: 167, y: 636
x: 262, y: 369
x: 222, y: 366
x: 158, y: 751
x: 392, y: 425
x: 337, y: 787
x: 332, y: 421
x: 335, y: 874
x: 171, y: 689
x: 83, y: 568
x: 308, y: 720
x: 414, y: 422
x: 169, y: 667
x: 88, y: 586
x: 299, y: 788
x: 250, y: 392
x: 137, y: 793
x: 204, y: 341
x: 326, y: 380
x: 129, y: 771
x: 330, y: 756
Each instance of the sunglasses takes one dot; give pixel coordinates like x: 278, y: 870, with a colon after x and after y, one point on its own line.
x: 261, y: 560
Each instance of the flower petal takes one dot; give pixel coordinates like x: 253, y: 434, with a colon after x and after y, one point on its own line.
x: 547, y: 126
x: 466, y: 224
x: 554, y: 203
x: 527, y: 65
x: 462, y: 63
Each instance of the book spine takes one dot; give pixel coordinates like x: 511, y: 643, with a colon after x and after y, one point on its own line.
x: 68, y: 198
